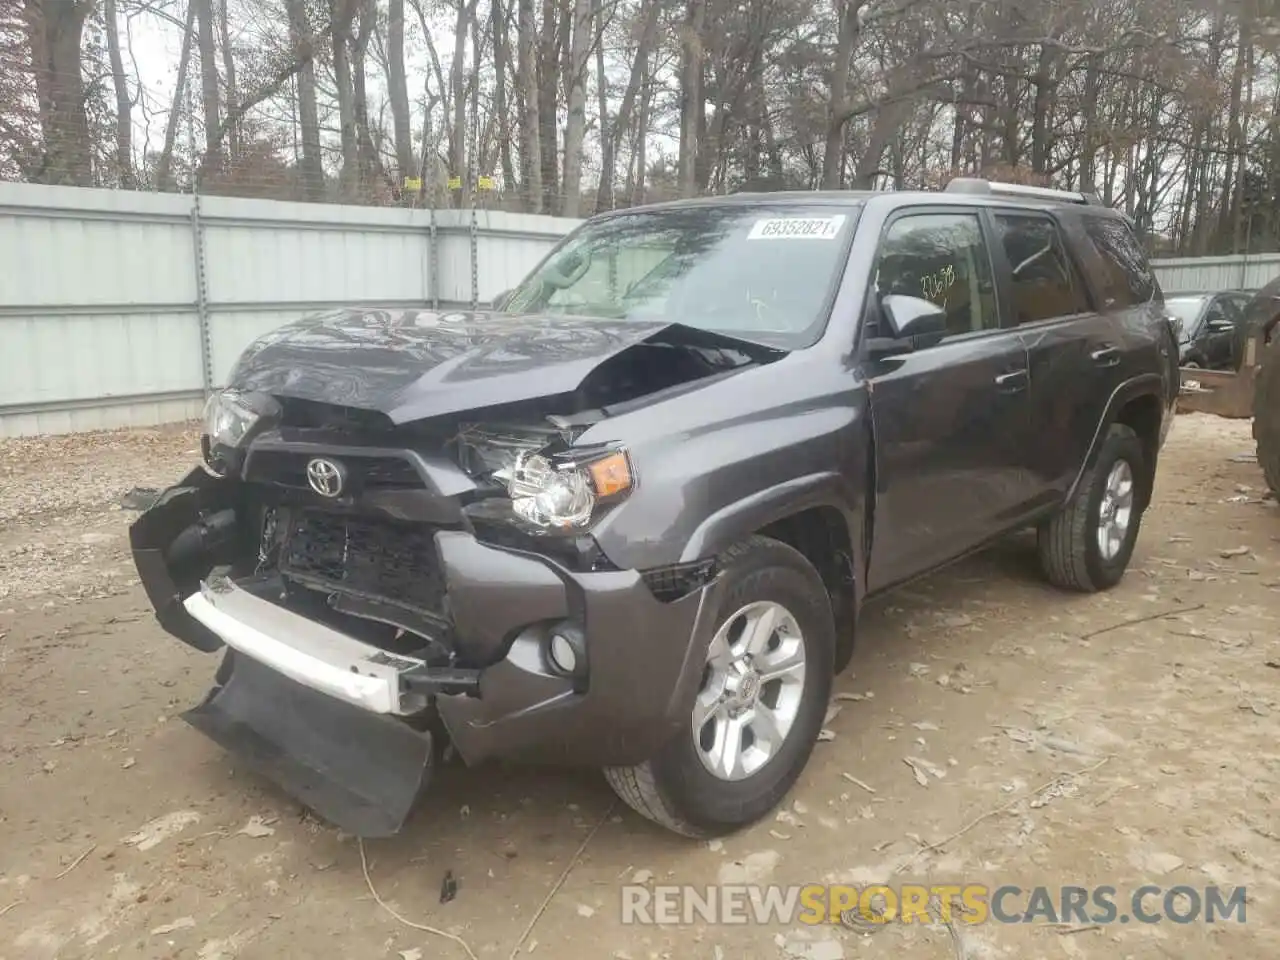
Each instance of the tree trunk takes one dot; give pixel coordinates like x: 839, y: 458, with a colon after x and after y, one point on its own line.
x: 1237, y: 193
x: 847, y: 39
x: 612, y: 142
x: 311, y: 168
x: 575, y: 130
x: 124, y: 105
x: 229, y: 68
x: 530, y: 124
x: 342, y: 13
x: 1042, y: 104
x: 164, y: 176
x: 888, y: 123
x: 368, y: 164
x: 209, y: 93
x: 1235, y: 132
x: 692, y: 116
x: 604, y: 189
x: 458, y: 92
x: 398, y: 90
x: 500, y: 18
x: 54, y: 30
x: 638, y: 187
x: 1089, y: 108
x: 548, y: 72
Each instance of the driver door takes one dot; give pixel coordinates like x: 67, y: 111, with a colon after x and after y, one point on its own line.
x: 950, y: 419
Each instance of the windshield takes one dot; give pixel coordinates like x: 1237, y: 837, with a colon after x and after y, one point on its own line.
x: 1186, y: 310
x: 762, y: 272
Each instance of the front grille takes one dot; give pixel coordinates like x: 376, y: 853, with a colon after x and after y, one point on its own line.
x: 283, y: 468
x: 374, y: 559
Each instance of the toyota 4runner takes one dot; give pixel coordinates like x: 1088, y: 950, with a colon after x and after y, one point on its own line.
x: 627, y: 518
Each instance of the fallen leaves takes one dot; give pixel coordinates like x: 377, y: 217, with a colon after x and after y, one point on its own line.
x: 922, y: 769
x: 257, y: 827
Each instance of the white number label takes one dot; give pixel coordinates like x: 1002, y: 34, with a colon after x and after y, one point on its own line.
x: 797, y: 228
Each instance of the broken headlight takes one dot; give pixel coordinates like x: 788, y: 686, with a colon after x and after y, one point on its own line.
x: 561, y: 493
x: 230, y: 418
x: 551, y: 486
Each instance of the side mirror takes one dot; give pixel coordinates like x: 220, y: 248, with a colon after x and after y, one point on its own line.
x: 909, y: 319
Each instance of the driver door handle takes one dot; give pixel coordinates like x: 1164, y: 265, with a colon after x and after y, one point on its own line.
x: 1107, y: 356
x: 1013, y: 382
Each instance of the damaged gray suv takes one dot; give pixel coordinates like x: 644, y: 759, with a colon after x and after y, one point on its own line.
x: 627, y: 518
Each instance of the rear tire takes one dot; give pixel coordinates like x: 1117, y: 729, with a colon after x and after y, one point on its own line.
x: 695, y: 787
x: 1266, y: 415
x: 1075, y: 552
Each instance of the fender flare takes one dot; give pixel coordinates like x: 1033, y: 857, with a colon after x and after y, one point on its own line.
x: 1144, y: 385
x: 738, y: 520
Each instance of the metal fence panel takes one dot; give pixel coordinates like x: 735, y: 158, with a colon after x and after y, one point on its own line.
x: 120, y: 308
x: 80, y: 334
x: 1205, y: 274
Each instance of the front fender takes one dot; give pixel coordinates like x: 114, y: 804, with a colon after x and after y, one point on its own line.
x: 738, y: 520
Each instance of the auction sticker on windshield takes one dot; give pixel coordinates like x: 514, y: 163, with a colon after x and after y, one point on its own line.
x: 797, y: 228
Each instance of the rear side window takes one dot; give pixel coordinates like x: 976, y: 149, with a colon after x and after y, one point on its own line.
x: 1045, y: 282
x: 1127, y: 279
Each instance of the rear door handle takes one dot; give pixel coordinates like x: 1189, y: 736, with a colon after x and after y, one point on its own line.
x: 1107, y: 356
x: 1013, y: 382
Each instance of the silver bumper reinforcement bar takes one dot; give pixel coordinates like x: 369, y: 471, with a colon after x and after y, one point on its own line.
x: 310, y: 653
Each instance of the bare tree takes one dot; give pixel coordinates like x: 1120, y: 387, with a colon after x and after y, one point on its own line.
x: 54, y: 32
x: 124, y: 102
x: 398, y: 88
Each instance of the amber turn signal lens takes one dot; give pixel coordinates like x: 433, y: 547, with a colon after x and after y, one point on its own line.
x: 611, y: 475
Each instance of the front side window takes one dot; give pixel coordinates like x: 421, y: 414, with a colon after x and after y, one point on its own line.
x: 1045, y: 283
x: 940, y: 257
x: 763, y: 272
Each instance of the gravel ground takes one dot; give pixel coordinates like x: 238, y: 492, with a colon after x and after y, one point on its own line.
x: 1119, y: 739
x: 61, y: 525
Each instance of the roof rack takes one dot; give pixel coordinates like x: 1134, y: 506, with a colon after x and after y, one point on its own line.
x: 975, y: 185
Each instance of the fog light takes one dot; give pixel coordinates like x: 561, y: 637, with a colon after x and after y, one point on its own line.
x: 566, y: 650
x: 562, y: 654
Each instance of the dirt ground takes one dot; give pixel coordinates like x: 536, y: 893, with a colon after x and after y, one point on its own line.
x: 125, y: 833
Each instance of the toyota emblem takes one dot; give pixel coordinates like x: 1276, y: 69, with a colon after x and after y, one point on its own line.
x: 326, y: 477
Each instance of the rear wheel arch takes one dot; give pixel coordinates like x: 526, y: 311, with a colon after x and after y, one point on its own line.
x: 1143, y: 414
x: 1138, y: 405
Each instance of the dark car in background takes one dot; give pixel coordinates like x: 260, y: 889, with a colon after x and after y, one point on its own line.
x: 1209, y: 326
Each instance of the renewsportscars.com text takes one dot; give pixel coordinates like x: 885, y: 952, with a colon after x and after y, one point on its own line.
x: 918, y: 903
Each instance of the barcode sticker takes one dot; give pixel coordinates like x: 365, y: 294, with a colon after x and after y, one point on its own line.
x: 797, y: 228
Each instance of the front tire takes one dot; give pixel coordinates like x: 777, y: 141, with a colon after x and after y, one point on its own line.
x: 760, y: 705
x: 1087, y: 545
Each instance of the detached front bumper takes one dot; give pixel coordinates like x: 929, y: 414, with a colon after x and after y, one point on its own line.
x: 643, y: 656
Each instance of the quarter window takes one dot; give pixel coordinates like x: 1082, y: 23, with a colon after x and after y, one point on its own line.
x: 1127, y: 279
x: 940, y: 257
x: 1045, y: 282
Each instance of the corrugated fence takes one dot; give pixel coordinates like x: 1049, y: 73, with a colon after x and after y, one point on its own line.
x: 122, y: 309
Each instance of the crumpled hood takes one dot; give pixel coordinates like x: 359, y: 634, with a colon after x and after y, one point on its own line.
x: 418, y: 363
